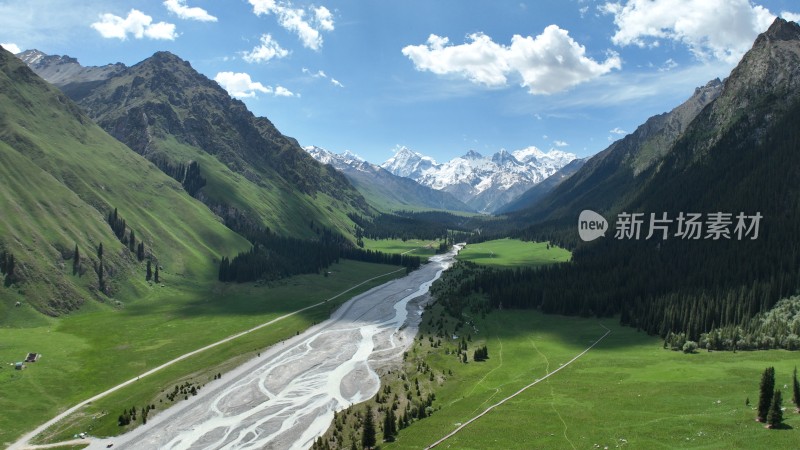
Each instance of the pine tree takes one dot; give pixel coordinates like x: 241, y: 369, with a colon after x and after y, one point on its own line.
x: 149, y: 274
x: 132, y: 242
x: 795, y: 391
x: 766, y: 392
x: 155, y: 276
x: 775, y: 415
x: 368, y: 439
x: 140, y: 251
x: 389, y: 425
x: 100, y: 251
x: 76, y: 260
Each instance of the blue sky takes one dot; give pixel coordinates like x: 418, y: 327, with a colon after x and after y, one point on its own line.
x: 440, y: 77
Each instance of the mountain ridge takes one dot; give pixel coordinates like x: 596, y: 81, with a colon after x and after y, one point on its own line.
x: 390, y: 191
x: 255, y: 176
x: 484, y: 183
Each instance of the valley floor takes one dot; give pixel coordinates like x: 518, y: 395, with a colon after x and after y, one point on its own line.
x: 626, y: 391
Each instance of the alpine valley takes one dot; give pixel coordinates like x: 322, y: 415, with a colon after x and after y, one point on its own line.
x: 178, y: 273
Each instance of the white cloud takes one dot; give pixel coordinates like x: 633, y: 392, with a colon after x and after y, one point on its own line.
x: 268, y: 49
x: 318, y: 74
x: 618, y: 130
x: 13, y: 48
x: 323, y: 18
x: 558, y: 143
x: 263, y: 6
x: 281, y: 91
x: 336, y: 82
x: 179, y: 8
x: 240, y: 85
x: 294, y: 20
x: 549, y: 63
x: 137, y: 24
x: 794, y: 17
x: 668, y: 65
x: 719, y: 29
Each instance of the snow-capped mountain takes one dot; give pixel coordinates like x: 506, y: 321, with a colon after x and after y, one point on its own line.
x: 484, y: 183
x: 383, y: 189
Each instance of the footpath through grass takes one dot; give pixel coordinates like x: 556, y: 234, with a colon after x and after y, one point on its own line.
x: 513, y: 253
x: 88, y: 352
x: 627, y: 391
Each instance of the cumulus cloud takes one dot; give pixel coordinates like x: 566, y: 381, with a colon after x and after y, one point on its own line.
x: 618, y: 130
x: 549, y: 63
x: 336, y: 83
x: 179, y: 8
x: 307, y: 24
x: 281, y: 91
x: 13, y: 48
x: 794, y: 17
x: 558, y: 143
x: 137, y: 24
x: 718, y: 29
x: 268, y: 49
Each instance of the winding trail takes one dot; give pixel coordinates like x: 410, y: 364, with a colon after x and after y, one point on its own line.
x: 23, y: 442
x: 538, y: 380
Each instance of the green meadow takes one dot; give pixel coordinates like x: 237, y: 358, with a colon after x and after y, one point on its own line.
x: 625, y: 392
x: 416, y: 247
x: 513, y: 253
x: 87, y: 352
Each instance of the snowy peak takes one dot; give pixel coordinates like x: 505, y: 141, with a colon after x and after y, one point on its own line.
x: 407, y: 163
x: 485, y: 183
x: 472, y: 154
x: 503, y: 158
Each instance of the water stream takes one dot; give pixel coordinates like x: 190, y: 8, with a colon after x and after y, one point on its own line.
x: 287, y: 397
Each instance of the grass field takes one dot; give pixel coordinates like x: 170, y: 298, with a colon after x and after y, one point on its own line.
x: 513, y: 253
x: 416, y: 247
x: 626, y: 392
x: 87, y: 352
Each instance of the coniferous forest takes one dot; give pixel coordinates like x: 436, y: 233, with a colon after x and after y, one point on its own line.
x: 709, y: 290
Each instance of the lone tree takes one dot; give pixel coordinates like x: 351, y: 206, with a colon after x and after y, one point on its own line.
x: 766, y: 393
x: 775, y: 415
x: 149, y: 274
x: 795, y: 391
x: 368, y: 439
x: 76, y: 260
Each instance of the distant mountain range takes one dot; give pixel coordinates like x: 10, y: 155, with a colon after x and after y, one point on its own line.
x: 486, y: 184
x: 385, y: 190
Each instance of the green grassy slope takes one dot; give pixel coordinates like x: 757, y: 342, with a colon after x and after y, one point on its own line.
x: 165, y: 110
x: 62, y: 175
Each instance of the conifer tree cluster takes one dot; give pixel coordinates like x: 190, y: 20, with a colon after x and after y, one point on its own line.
x: 119, y: 226
x: 274, y: 257
x: 770, y: 400
x: 8, y: 267
x: 481, y: 354
x: 186, y: 174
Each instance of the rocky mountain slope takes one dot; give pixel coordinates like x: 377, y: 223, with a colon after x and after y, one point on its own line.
x: 484, y: 183
x: 245, y: 170
x: 533, y: 195
x: 610, y: 179
x: 735, y: 165
x: 383, y: 189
